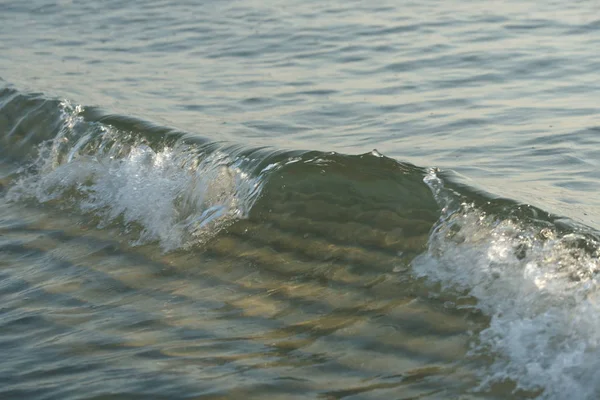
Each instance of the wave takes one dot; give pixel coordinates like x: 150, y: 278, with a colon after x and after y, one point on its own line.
x: 170, y: 191
x: 180, y: 189
x: 533, y: 274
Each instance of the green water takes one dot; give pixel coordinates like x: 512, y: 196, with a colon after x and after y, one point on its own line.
x: 191, y: 206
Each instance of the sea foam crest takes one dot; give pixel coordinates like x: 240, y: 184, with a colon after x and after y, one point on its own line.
x: 175, y: 194
x: 538, y: 286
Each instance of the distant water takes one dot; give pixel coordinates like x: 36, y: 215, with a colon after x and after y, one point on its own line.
x: 192, y: 206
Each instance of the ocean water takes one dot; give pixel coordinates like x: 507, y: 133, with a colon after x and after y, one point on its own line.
x: 299, y: 200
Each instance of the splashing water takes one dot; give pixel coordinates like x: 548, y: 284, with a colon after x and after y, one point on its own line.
x: 539, y: 287
x: 175, y: 194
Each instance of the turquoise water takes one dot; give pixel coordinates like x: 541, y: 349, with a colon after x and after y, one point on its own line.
x: 192, y: 205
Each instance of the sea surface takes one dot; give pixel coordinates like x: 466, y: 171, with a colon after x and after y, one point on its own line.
x: 299, y: 199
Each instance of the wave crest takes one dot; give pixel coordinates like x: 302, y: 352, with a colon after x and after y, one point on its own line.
x: 538, y: 284
x: 177, y: 194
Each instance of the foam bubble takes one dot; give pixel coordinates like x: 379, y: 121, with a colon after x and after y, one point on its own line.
x: 538, y: 286
x: 176, y: 195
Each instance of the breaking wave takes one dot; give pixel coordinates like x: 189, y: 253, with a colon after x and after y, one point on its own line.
x: 532, y: 274
x: 535, y: 277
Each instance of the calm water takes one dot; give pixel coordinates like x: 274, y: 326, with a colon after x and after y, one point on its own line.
x: 191, y: 206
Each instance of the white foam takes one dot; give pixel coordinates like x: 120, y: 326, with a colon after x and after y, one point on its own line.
x: 539, y: 287
x: 172, y: 195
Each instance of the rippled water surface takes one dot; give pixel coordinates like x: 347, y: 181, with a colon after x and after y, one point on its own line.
x: 191, y: 205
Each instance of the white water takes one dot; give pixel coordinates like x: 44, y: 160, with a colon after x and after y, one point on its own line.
x: 172, y: 195
x: 539, y: 288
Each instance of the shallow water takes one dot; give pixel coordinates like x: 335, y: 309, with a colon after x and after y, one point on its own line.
x: 191, y: 206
